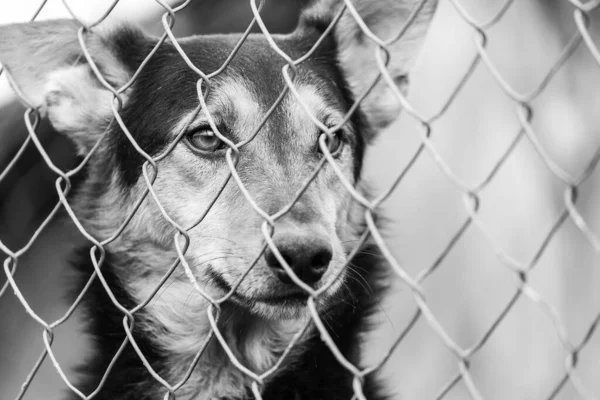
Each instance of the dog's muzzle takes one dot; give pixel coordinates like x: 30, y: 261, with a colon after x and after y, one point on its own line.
x: 306, y: 251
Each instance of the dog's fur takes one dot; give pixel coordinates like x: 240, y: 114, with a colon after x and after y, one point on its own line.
x: 46, y: 63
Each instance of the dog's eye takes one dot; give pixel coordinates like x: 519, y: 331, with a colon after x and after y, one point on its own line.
x: 205, y: 141
x: 335, y: 144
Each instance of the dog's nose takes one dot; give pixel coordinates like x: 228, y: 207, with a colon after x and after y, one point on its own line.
x: 307, y: 254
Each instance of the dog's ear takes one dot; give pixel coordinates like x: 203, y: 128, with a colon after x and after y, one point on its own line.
x: 47, y: 64
x: 356, y: 51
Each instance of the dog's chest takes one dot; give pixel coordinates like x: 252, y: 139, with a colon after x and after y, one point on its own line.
x: 218, y: 378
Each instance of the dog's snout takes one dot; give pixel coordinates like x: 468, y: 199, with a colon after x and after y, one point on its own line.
x: 307, y: 254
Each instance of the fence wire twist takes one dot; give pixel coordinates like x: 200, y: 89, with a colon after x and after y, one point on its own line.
x: 524, y: 111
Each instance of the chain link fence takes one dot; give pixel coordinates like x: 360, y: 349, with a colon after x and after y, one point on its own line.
x: 526, y: 134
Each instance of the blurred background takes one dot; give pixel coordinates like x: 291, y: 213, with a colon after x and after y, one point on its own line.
x: 524, y: 358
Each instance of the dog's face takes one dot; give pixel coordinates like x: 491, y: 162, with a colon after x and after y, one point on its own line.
x: 273, y: 167
x: 275, y: 160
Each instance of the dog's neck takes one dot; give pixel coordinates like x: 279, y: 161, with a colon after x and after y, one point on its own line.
x: 176, y: 322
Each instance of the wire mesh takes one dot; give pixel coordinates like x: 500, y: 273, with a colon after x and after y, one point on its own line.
x: 525, y: 112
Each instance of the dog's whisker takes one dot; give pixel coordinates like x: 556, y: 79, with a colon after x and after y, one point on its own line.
x: 363, y: 282
x: 359, y: 279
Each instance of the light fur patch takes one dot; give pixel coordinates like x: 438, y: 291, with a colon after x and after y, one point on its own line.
x: 180, y: 326
x: 77, y: 106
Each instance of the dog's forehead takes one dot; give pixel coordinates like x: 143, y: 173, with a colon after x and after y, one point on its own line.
x: 258, y: 67
x: 252, y: 82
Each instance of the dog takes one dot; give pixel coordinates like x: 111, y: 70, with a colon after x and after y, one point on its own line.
x: 159, y: 115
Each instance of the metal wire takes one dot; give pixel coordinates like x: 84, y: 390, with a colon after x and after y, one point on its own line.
x: 525, y: 113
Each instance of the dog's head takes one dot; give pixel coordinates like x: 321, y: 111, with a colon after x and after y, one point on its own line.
x: 160, y: 112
